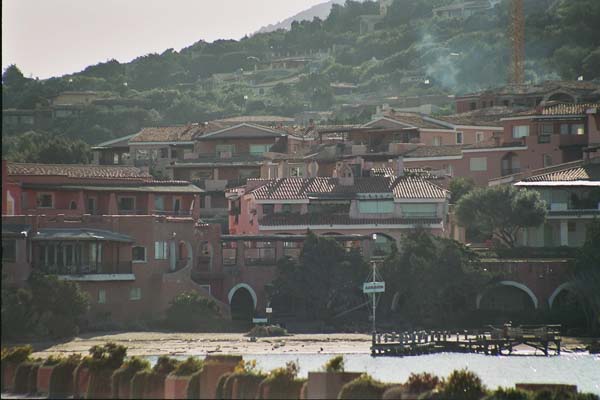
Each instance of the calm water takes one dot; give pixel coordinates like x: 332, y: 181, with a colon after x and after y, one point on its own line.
x: 582, y: 370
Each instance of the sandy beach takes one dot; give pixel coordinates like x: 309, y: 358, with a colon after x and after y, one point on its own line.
x: 182, y: 344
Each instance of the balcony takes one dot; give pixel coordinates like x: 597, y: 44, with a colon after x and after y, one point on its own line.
x: 572, y: 140
x: 510, y: 171
x: 104, y: 267
x: 260, y: 256
x: 173, y: 213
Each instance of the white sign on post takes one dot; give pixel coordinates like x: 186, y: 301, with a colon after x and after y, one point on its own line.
x: 269, y: 310
x: 373, y: 287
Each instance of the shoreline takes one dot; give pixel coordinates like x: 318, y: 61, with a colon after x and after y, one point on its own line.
x: 188, y: 344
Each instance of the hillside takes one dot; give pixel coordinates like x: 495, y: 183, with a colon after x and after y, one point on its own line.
x: 320, y: 11
x: 328, y: 64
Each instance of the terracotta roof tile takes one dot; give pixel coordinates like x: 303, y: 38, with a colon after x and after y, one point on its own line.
x: 481, y: 117
x: 77, y: 171
x: 180, y: 133
x: 257, y: 119
x: 413, y: 119
x: 589, y: 172
x: 434, y: 151
x: 303, y: 188
x: 570, y: 109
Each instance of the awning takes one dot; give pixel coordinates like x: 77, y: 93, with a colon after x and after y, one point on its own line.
x: 15, y: 230
x: 81, y: 234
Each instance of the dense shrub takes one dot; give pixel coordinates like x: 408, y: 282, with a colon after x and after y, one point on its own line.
x: 267, y: 330
x: 122, y: 376
x: 188, y: 367
x: 283, y: 382
x: 16, y: 355
x: 61, y: 382
x: 422, y: 382
x: 335, y: 364
x: 189, y: 311
x: 462, y: 385
x: 363, y: 387
x: 509, y: 394
x: 108, y: 356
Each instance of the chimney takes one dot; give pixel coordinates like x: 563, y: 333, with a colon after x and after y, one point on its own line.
x: 282, y: 169
x: 344, y: 174
x: 312, y: 169
x: 400, y: 166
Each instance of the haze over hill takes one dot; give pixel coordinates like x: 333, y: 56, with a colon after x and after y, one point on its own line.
x: 320, y: 11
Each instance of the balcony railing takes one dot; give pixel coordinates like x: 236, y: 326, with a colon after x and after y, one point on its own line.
x: 173, y: 213
x: 104, y: 267
x: 510, y: 171
x: 261, y: 256
x: 573, y: 140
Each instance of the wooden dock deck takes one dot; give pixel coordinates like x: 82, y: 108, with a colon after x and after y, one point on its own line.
x: 492, y: 340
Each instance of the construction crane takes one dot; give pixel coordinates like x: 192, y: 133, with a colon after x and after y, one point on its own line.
x: 517, y: 36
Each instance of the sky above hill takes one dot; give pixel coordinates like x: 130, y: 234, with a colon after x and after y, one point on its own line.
x: 55, y: 37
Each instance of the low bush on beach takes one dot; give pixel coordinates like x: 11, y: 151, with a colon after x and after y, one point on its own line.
x: 422, y: 382
x: 189, y: 311
x: 16, y: 355
x: 267, y: 331
x: 462, y: 385
x: 102, y: 362
x: 364, y: 387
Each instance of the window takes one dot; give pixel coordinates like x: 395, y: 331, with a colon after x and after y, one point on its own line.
x: 225, y: 150
x: 547, y: 159
x: 258, y: 149
x: 9, y: 250
x: 437, y: 141
x: 161, y: 250
x: 73, y: 205
x: 95, y: 252
x: 478, y: 137
x: 577, y: 129
x: 376, y: 207
x: 159, y: 203
x: 127, y: 203
x: 45, y: 200
x: 572, y: 225
x: 141, y: 154
x: 459, y: 138
x: 101, y: 296
x: 473, y: 106
x: 91, y: 205
x: 135, y: 293
x: 164, y: 152
x: 177, y: 204
x: 115, y: 158
x: 138, y: 254
x: 564, y: 129
x: 478, y: 164
x: 419, y: 210
x: 520, y: 131
x: 547, y: 129
x: 268, y: 209
x: 296, y: 172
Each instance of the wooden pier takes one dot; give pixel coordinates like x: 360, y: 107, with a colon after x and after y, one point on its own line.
x: 492, y: 340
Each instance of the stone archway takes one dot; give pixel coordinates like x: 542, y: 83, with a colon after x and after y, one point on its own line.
x: 509, y: 284
x: 242, y: 301
x: 557, y: 291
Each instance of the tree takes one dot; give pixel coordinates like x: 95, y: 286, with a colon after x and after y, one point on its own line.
x: 501, y: 211
x: 587, y: 276
x: 13, y: 76
x: 460, y: 186
x: 324, y: 282
x: 431, y: 280
x: 190, y: 311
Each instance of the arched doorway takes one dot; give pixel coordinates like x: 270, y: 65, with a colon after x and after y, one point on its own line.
x: 566, y: 307
x: 383, y: 244
x: 507, y: 296
x: 242, y: 301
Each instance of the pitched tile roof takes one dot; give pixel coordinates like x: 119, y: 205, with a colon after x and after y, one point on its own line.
x: 76, y: 170
x: 179, y: 133
x: 434, y: 151
x: 582, y: 172
x: 320, y: 219
x: 570, y: 109
x: 481, y: 117
x: 304, y: 188
x: 232, y: 132
x: 412, y: 119
x: 257, y: 119
x: 414, y: 172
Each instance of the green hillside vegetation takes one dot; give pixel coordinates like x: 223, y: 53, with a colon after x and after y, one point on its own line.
x: 408, y: 47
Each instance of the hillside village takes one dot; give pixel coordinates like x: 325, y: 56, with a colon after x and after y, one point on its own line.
x: 210, y: 177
